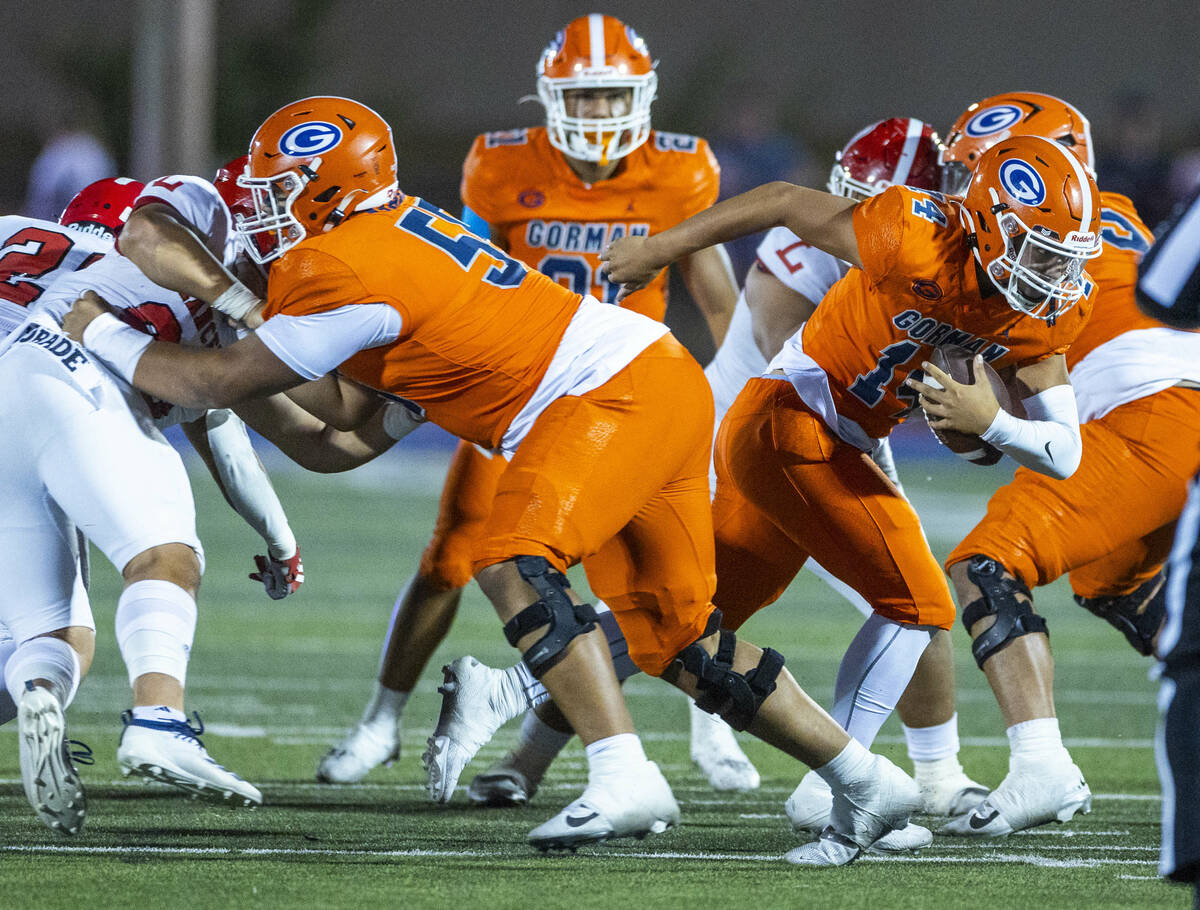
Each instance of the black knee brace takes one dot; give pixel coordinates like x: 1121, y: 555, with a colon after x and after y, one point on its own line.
x: 563, y: 620
x: 1000, y: 591
x: 732, y: 696
x: 1138, y: 615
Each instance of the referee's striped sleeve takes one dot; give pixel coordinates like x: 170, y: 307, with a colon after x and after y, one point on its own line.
x: 1169, y: 281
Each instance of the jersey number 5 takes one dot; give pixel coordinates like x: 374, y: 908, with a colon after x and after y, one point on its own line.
x: 452, y: 237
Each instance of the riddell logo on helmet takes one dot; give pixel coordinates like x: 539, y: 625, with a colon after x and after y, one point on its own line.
x: 1022, y: 182
x: 992, y: 120
x: 308, y: 139
x: 1081, y: 238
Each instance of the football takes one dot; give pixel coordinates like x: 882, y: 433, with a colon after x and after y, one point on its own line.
x: 960, y: 364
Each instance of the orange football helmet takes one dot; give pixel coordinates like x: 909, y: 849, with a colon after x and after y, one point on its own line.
x: 597, y: 52
x: 999, y: 117
x: 1032, y: 211
x: 313, y: 163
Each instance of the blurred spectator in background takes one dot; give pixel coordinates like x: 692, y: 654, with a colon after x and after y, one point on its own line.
x: 72, y: 157
x: 1131, y: 158
x: 753, y: 149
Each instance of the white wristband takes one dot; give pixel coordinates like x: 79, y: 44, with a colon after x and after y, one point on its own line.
x: 119, y: 345
x: 237, y: 301
x: 401, y: 419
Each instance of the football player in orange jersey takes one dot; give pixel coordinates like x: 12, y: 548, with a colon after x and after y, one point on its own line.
x: 553, y: 197
x: 603, y: 415
x: 1110, y: 524
x: 794, y: 475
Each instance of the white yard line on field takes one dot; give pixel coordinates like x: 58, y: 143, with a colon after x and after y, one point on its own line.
x: 255, y: 852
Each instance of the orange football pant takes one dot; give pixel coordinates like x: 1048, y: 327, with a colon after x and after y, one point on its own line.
x: 463, y: 511
x: 1110, y: 524
x: 787, y: 489
x: 618, y: 479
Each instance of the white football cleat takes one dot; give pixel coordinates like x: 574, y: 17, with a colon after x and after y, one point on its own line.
x: 52, y: 785
x: 716, y: 753
x: 863, y: 812
x: 365, y: 747
x: 632, y: 806
x: 832, y: 849
x: 502, y: 785
x: 1025, y: 800
x: 809, y: 805
x: 476, y: 702
x: 951, y: 795
x: 170, y: 751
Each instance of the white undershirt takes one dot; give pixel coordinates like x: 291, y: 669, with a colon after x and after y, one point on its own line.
x: 313, y: 345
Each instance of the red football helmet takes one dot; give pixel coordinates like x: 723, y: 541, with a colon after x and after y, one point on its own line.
x: 102, y: 207
x: 1032, y: 212
x: 902, y: 150
x: 594, y: 53
x: 241, y: 205
x: 999, y: 117
x: 311, y: 164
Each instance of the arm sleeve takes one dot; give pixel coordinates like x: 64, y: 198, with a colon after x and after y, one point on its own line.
x: 1048, y: 441
x: 314, y: 344
x: 246, y: 483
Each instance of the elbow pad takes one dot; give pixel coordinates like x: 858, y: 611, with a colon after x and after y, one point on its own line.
x: 1048, y: 441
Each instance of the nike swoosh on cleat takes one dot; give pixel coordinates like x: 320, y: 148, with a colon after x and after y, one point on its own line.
x: 575, y: 822
x: 1048, y: 455
x: 978, y: 821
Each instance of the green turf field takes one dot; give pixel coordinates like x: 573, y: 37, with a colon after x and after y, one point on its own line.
x: 278, y: 682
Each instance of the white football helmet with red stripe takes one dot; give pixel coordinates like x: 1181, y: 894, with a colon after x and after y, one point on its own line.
x: 1032, y: 211
x: 593, y: 53
x: 902, y: 150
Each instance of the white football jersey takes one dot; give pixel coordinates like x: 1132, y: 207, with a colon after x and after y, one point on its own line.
x: 145, y: 305
x: 33, y: 255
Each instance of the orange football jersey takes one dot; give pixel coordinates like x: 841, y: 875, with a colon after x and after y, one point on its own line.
x: 918, y: 288
x: 479, y: 328
x: 543, y: 214
x: 1114, y: 271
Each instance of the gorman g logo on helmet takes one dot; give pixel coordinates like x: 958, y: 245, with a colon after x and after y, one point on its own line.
x: 1022, y: 182
x: 307, y: 139
x: 992, y: 120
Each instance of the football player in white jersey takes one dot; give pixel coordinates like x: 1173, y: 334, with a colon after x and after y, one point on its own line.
x: 89, y: 452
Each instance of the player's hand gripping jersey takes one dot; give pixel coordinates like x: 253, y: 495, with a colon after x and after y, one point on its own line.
x: 146, y: 306
x: 544, y: 215
x: 918, y: 288
x: 33, y: 255
x: 481, y: 342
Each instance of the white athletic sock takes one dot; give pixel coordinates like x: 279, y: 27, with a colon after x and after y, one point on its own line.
x: 51, y: 659
x: 614, y: 756
x: 156, y: 622
x: 385, y: 707
x: 8, y: 707
x: 928, y: 744
x: 157, y: 712
x: 1036, y: 744
x: 874, y: 673
x: 522, y: 676
x: 537, y: 746
x: 849, y: 766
